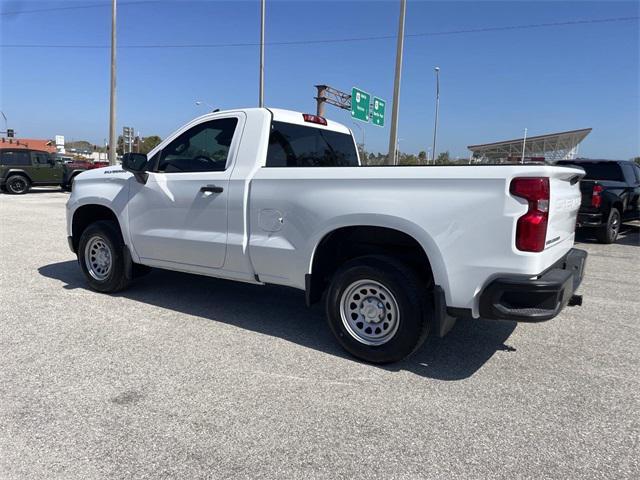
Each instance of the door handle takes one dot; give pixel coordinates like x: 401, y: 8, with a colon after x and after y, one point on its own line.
x: 212, y: 189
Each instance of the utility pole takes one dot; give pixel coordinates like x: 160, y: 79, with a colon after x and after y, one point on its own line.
x: 391, y: 158
x: 362, y: 131
x: 112, y: 104
x: 262, y: 12
x: 435, y: 127
x: 524, y: 142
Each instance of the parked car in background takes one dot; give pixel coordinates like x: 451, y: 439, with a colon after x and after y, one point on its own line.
x: 21, y: 169
x: 273, y: 196
x: 610, y: 195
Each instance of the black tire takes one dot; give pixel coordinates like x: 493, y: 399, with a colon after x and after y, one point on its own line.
x: 17, y: 184
x: 68, y: 187
x: 115, y: 278
x: 609, y: 232
x: 410, y: 295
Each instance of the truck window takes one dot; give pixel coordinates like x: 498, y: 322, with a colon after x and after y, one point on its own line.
x: 599, y: 170
x: 14, y: 157
x: 203, y: 148
x: 293, y: 145
x: 627, y: 168
x: 41, y: 158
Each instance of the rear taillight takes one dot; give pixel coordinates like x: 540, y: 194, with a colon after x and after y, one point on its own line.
x: 596, y: 196
x: 531, y: 230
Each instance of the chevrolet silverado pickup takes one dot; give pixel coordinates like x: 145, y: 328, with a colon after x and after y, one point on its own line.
x: 610, y: 196
x: 271, y: 196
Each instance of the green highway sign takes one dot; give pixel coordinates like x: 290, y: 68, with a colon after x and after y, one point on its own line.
x: 360, y: 104
x: 377, y: 115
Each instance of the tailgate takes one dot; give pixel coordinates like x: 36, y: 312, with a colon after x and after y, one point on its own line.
x: 564, y: 202
x: 586, y: 188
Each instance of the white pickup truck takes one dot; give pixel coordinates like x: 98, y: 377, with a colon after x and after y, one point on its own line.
x: 274, y: 196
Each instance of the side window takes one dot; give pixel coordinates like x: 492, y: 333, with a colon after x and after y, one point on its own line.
x: 40, y: 158
x: 629, y: 174
x: 636, y: 168
x: 203, y: 148
x: 293, y: 145
x: 15, y: 157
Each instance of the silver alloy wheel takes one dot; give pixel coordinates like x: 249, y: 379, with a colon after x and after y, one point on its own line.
x: 98, y: 258
x: 615, y: 224
x: 369, y: 312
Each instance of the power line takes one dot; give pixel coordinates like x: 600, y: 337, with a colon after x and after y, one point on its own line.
x: 337, y: 40
x: 76, y: 7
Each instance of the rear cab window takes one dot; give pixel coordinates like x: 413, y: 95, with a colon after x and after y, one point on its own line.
x: 599, y: 170
x: 292, y: 145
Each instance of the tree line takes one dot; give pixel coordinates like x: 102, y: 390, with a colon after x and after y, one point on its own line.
x: 370, y: 158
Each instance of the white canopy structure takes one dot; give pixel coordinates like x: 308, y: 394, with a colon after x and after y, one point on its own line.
x: 541, y: 148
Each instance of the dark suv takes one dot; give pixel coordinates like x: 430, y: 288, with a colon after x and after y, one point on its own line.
x: 21, y: 168
x: 610, y: 195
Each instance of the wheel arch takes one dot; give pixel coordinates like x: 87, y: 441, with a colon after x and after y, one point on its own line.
x: 18, y: 171
x: 87, y: 214
x: 345, y: 242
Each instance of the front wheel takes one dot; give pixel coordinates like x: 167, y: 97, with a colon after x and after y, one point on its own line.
x: 378, y: 309
x: 609, y: 232
x: 100, y: 254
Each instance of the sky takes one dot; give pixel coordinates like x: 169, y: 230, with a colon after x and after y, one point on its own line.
x: 493, y: 83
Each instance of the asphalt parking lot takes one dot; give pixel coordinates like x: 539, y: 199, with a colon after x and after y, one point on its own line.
x: 191, y: 377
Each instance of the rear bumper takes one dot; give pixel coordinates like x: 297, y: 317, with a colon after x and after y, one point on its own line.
x: 590, y: 220
x: 526, y: 299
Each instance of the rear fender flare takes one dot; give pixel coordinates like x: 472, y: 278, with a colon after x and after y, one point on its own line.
x: 18, y: 171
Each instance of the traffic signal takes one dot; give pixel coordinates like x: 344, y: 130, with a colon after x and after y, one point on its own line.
x: 10, y: 133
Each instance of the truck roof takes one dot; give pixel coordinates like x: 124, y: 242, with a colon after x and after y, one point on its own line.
x: 289, y: 116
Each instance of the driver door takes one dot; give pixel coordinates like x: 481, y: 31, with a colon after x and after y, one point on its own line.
x: 179, y: 216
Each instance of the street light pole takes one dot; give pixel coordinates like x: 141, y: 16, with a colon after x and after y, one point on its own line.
x: 262, y: 14
x: 524, y: 143
x: 362, y: 131
x: 112, y: 101
x: 393, y: 135
x: 435, y: 127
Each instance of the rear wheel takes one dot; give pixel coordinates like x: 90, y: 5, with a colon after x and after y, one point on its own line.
x: 17, y: 184
x: 609, y: 232
x: 378, y: 309
x: 100, y: 254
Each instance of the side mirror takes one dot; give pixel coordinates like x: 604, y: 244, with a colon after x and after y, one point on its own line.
x: 136, y: 163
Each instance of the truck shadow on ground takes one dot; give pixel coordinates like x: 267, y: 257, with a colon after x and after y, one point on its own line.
x: 281, y: 312
x: 629, y: 235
